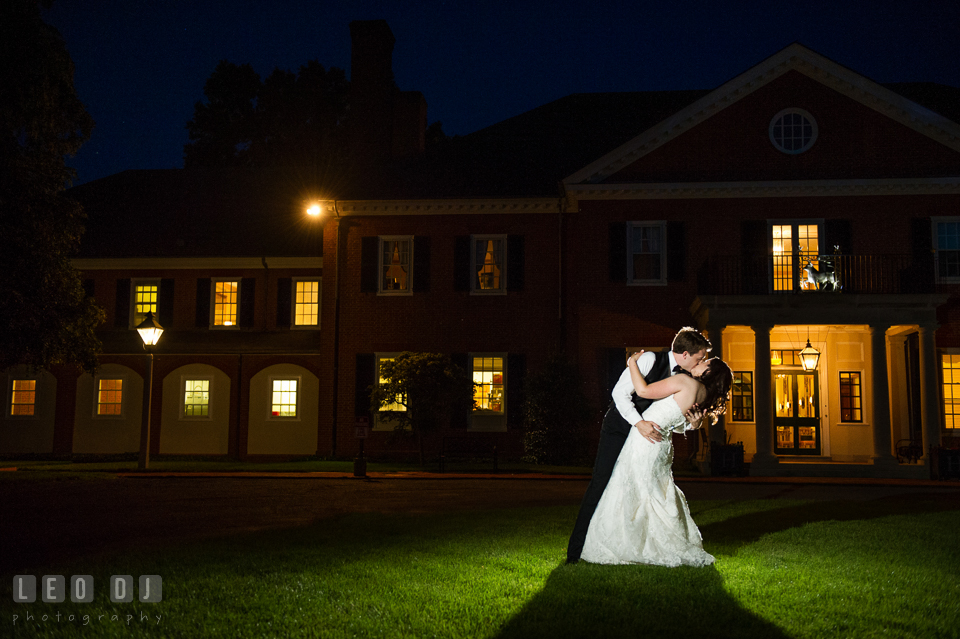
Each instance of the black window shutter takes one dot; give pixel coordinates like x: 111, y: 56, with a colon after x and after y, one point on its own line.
x: 676, y: 252
x: 755, y: 258
x: 460, y: 415
x: 248, y: 287
x: 165, y: 303
x: 89, y: 287
x: 421, y: 264
x: 364, y: 378
x: 203, y: 302
x: 284, y: 293
x: 920, y: 277
x: 516, y: 374
x: 461, y: 263
x: 837, y: 234
x: 515, y: 263
x: 122, y: 309
x: 369, y: 258
x: 618, y: 252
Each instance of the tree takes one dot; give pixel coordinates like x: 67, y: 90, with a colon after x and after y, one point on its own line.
x: 287, y: 120
x: 45, y: 316
x: 421, y: 392
x: 555, y: 414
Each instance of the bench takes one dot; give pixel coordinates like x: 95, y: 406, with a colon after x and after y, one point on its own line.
x: 467, y: 448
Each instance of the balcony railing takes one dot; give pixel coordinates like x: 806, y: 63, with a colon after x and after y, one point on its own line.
x: 856, y: 274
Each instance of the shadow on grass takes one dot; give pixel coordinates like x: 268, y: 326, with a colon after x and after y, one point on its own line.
x: 730, y: 534
x: 636, y: 601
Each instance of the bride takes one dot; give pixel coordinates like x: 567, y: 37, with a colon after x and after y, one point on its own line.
x: 642, y: 517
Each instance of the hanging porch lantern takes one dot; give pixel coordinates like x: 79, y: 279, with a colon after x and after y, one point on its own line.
x: 809, y: 357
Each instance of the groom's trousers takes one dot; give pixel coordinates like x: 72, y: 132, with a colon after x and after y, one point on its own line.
x: 613, y: 434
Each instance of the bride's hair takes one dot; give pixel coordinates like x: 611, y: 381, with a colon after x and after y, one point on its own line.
x: 717, y: 379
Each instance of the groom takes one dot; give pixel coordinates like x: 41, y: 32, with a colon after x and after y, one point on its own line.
x: 689, y: 348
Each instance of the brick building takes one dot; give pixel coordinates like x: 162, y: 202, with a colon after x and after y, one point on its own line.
x: 597, y: 224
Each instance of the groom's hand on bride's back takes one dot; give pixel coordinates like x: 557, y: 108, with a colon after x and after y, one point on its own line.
x: 650, y: 431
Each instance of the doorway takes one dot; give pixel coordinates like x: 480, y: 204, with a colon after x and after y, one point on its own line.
x: 797, y: 413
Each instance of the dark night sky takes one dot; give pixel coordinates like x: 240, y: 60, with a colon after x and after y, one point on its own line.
x: 141, y: 64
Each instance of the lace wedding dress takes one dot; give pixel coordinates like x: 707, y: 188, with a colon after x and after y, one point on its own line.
x: 642, y: 517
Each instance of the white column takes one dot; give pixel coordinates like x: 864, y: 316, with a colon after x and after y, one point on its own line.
x: 880, y: 399
x: 762, y: 401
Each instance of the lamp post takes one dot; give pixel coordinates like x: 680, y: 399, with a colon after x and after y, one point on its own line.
x: 150, y: 332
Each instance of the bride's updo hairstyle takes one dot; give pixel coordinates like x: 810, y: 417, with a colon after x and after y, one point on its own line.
x: 717, y: 379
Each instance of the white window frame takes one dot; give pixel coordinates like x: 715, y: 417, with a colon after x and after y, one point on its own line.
x: 503, y: 383
x: 293, y: 303
x: 213, y: 303
x: 124, y: 396
x: 380, y: 424
x: 284, y: 418
x: 947, y: 430
x: 36, y: 397
x: 935, y: 239
x: 380, y: 265
x: 662, y: 226
x: 797, y: 256
x: 802, y: 113
x: 134, y: 283
x: 476, y: 261
x: 183, y: 398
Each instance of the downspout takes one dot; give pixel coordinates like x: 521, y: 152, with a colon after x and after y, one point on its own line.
x: 336, y: 335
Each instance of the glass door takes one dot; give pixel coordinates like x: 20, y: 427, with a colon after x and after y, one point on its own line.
x: 797, y: 413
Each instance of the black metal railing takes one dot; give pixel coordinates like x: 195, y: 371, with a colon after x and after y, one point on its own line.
x: 855, y: 274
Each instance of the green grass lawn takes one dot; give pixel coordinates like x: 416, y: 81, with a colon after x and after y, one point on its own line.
x: 784, y: 569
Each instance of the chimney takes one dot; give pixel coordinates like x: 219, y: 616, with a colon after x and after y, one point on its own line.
x: 385, y: 123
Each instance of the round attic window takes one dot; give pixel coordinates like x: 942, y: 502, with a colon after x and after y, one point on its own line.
x: 793, y: 131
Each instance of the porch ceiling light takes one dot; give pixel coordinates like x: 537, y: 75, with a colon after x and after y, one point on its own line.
x: 809, y: 357
x: 150, y: 330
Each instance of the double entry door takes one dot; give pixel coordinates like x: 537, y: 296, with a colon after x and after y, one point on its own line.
x: 797, y: 413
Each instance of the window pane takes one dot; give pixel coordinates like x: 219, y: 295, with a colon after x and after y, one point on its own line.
x: 284, y: 400
x: 850, y: 397
x: 225, y: 303
x: 307, y: 304
x: 110, y: 397
x: 396, y: 265
x: 24, y: 398
x: 196, y: 398
x: 145, y: 301
x: 488, y: 373
x: 395, y: 406
x: 951, y: 390
x: 783, y: 276
x: 489, y: 263
x: 646, y: 252
x: 742, y: 398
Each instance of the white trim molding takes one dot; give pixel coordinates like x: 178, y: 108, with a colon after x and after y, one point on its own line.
x: 193, y: 263
x: 449, y: 207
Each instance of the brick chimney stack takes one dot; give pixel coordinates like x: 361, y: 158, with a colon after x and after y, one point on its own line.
x: 385, y: 123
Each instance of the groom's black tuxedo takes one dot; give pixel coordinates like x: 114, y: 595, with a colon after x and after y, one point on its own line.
x: 613, y: 434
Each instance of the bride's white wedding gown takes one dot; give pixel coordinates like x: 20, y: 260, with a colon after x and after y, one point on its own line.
x: 642, y: 517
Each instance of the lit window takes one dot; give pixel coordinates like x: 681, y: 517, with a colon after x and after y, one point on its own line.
x: 951, y: 390
x: 395, y: 260
x: 948, y: 249
x: 646, y: 252
x: 144, y: 301
x: 284, y: 399
x: 110, y: 397
x: 488, y: 375
x: 487, y: 259
x: 850, y: 399
x: 196, y: 398
x: 794, y: 247
x: 784, y: 358
x: 226, y: 296
x: 382, y: 380
x: 793, y: 131
x: 23, y: 400
x: 742, y: 397
x: 306, y: 303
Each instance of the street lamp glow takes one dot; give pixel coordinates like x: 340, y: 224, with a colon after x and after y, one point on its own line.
x: 150, y: 330
x: 314, y: 210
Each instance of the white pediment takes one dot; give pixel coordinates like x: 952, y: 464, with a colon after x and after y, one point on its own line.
x: 795, y: 57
